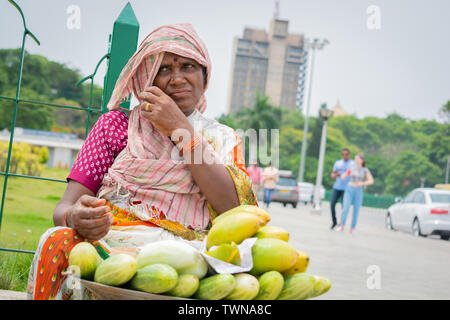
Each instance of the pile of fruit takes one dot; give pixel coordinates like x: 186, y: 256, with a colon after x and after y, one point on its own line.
x: 177, y: 269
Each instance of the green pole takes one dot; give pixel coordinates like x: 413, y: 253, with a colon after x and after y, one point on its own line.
x: 16, y: 103
x: 122, y: 45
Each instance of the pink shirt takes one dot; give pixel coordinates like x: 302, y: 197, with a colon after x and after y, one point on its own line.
x: 255, y: 174
x: 105, y: 141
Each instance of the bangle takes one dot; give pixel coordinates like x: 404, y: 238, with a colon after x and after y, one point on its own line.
x: 192, y: 144
x: 64, y: 221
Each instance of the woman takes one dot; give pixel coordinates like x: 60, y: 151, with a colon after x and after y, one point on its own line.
x: 256, y: 175
x: 156, y: 188
x: 360, y: 177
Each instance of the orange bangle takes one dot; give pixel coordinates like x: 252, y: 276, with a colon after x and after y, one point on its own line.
x: 191, y: 145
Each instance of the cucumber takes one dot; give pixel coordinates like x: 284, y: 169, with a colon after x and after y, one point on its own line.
x: 246, y: 288
x: 116, y: 270
x: 186, y: 286
x: 299, y: 286
x: 215, y: 287
x: 155, y: 278
x: 270, y: 285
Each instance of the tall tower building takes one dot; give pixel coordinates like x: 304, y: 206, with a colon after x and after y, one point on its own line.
x: 269, y: 62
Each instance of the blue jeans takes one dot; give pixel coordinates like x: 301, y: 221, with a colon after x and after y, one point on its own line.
x: 352, y: 195
x: 268, y: 193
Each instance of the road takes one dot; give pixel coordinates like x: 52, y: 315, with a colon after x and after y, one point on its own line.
x: 372, y: 263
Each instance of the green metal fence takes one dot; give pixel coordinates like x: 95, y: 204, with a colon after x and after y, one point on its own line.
x: 370, y: 200
x: 122, y: 44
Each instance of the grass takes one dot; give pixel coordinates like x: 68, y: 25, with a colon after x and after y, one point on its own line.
x: 27, y: 214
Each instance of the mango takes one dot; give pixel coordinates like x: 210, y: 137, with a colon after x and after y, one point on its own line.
x: 233, y: 228
x: 227, y: 252
x: 272, y: 254
x: 272, y: 232
x: 255, y: 210
x: 300, y: 266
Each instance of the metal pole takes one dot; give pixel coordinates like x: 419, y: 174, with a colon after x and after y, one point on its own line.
x: 317, y: 189
x: 447, y: 170
x: 305, y: 129
x: 16, y: 103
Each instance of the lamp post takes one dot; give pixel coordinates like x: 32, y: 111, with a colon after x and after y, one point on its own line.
x: 325, y: 114
x: 313, y: 45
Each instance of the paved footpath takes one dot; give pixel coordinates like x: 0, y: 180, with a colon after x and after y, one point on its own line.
x: 373, y: 263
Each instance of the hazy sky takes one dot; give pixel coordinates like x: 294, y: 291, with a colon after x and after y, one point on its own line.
x: 403, y: 67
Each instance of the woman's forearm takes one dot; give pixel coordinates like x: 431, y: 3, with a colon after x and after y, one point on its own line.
x: 214, y: 180
x: 58, y: 213
x: 73, y: 192
x: 216, y: 184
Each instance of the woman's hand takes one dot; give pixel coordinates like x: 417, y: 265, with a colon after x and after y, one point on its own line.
x: 163, y: 112
x: 88, y: 216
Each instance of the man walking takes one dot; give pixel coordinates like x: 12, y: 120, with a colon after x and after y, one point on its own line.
x: 340, y: 167
x: 270, y: 177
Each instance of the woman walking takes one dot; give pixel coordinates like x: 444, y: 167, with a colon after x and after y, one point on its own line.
x: 360, y: 177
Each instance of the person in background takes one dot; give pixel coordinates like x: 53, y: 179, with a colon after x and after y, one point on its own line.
x: 256, y: 174
x: 270, y: 178
x: 339, y: 168
x: 360, y: 177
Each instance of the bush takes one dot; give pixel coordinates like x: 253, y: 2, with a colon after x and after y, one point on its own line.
x: 25, y: 158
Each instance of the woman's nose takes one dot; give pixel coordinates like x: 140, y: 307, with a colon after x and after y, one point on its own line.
x: 177, y: 78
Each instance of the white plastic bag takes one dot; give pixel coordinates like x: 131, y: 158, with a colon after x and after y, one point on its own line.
x: 219, y: 266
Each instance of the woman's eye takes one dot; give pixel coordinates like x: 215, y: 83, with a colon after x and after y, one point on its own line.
x: 163, y: 69
x: 188, y: 65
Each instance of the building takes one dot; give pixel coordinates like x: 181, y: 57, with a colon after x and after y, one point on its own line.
x: 272, y: 63
x: 63, y: 148
x: 338, y: 111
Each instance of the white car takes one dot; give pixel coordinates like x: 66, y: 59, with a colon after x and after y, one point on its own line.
x: 306, y: 192
x: 424, y: 211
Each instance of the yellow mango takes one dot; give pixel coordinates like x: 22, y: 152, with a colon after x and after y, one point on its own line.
x: 272, y: 232
x: 272, y: 254
x: 300, y: 266
x: 233, y: 228
x: 227, y: 252
x: 255, y: 210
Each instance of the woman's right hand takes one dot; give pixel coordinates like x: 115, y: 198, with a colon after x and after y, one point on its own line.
x: 88, y: 216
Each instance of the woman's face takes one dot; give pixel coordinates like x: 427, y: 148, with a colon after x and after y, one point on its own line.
x: 358, y: 160
x: 181, y: 79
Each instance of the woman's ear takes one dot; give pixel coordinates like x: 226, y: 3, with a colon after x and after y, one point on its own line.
x: 205, y: 76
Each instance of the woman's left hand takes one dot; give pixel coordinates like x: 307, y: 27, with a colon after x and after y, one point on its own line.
x: 163, y: 112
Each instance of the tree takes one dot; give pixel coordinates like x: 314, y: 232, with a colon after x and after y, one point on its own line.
x: 263, y: 116
x: 408, y: 169
x: 45, y: 81
x: 290, y: 146
x: 445, y: 112
x: 33, y: 116
x: 439, y: 147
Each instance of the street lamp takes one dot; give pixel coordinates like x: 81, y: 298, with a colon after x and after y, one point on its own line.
x: 319, y: 45
x: 325, y: 114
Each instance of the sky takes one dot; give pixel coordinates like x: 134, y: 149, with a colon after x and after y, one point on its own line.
x: 400, y: 66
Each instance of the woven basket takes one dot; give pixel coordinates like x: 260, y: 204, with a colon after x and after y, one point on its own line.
x: 104, y: 292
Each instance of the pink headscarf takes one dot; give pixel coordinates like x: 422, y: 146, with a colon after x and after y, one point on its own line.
x: 142, y: 68
x: 145, y: 172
